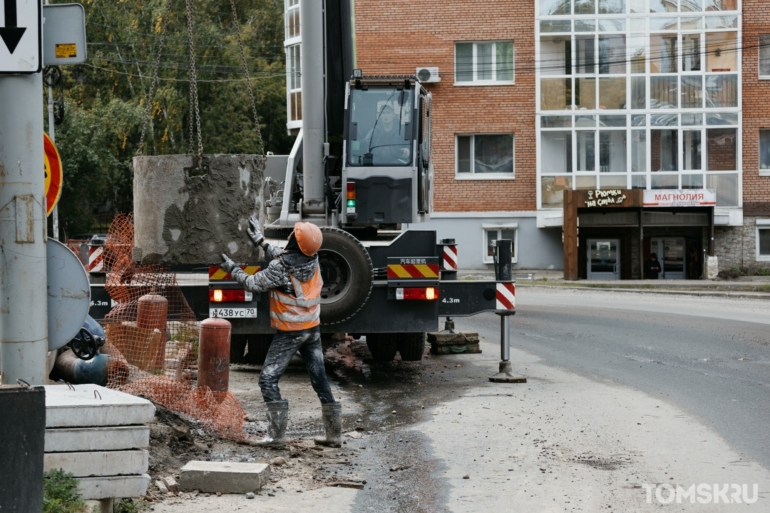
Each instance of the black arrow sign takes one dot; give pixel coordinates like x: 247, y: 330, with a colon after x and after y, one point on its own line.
x: 11, y: 34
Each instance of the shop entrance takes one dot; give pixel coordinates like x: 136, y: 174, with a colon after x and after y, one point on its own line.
x: 603, y: 259
x: 671, y: 254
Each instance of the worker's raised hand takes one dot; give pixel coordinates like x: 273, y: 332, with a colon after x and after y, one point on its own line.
x: 255, y: 231
x: 227, y: 265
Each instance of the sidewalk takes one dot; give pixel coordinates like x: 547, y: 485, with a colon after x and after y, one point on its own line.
x: 756, y: 287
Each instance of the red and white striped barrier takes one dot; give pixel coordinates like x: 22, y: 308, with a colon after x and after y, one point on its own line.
x: 505, y: 296
x: 449, y: 259
x: 95, y: 258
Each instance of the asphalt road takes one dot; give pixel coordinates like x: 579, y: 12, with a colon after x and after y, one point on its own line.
x: 708, y: 356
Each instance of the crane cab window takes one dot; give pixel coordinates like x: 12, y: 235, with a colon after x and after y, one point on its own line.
x: 380, y: 131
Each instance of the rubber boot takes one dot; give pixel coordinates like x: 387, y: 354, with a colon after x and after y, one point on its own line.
x: 277, y: 419
x: 332, y: 417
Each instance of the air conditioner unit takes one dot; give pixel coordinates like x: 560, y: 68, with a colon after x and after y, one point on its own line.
x: 428, y: 75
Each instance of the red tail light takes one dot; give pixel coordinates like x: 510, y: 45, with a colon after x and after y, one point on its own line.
x: 229, y: 296
x: 417, y: 293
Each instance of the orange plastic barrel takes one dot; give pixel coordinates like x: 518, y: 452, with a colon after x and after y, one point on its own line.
x: 214, y: 355
x: 152, y: 314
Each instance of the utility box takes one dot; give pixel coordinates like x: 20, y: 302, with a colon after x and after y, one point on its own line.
x: 185, y: 216
x: 22, y: 428
x: 64, y: 34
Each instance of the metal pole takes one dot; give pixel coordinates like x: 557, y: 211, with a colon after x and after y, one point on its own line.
x: 313, y: 105
x: 24, y: 302
x: 711, y: 232
x: 505, y: 337
x: 52, y: 135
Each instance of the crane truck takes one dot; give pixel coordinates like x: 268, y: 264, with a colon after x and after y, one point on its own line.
x: 360, y: 169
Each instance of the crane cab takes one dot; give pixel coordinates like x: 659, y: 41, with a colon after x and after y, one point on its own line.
x: 386, y: 171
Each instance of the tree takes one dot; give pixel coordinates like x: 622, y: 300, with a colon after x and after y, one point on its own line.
x: 105, y: 98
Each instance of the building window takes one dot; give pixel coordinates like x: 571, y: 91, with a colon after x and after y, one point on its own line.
x: 764, y: 152
x: 764, y: 56
x: 484, y: 63
x: 291, y: 44
x: 763, y: 239
x: 293, y: 83
x: 487, y: 156
x: 292, y: 19
x: 493, y: 233
x: 649, y: 100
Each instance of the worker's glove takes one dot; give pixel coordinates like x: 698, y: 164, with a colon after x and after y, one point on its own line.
x: 228, y: 265
x: 255, y: 231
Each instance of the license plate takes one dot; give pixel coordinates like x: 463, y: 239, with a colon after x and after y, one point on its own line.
x: 233, y: 313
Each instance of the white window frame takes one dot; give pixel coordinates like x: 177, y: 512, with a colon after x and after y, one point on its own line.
x: 485, y: 227
x: 762, y: 225
x: 288, y: 45
x: 289, y: 50
x: 759, y: 57
x: 483, y: 176
x: 475, y: 81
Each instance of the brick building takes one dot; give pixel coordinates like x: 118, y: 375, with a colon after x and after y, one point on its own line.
x: 540, y: 96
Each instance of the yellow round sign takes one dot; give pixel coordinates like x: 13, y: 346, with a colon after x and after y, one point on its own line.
x: 53, y: 174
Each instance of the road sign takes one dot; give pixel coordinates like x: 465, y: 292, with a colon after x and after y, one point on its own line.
x: 53, y: 175
x: 20, y: 36
x: 64, y: 34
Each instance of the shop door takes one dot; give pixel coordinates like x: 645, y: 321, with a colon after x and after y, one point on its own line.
x: 671, y: 256
x: 603, y: 259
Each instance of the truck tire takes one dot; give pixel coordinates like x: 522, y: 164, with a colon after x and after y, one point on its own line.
x: 411, y: 346
x: 383, y: 346
x: 258, y: 347
x: 347, y: 273
x: 237, y: 348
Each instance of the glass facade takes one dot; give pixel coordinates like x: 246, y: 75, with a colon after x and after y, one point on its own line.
x: 638, y: 94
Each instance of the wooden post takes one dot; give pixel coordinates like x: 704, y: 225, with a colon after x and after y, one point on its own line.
x: 641, y: 241
x: 711, y: 232
x: 570, y: 236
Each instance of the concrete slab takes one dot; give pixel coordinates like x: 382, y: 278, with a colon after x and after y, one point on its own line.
x: 94, y: 488
x: 107, y: 463
x: 224, y: 477
x: 92, y: 405
x: 83, y: 439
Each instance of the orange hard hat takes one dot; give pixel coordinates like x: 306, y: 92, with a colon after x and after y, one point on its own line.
x: 309, y: 238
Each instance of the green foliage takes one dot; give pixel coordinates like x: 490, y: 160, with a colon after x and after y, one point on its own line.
x: 60, y: 493
x: 106, y: 98
x: 129, y: 506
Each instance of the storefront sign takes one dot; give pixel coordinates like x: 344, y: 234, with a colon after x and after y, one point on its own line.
x: 606, y: 198
x: 681, y: 198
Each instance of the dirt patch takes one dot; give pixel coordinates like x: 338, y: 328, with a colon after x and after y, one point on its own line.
x: 614, y: 462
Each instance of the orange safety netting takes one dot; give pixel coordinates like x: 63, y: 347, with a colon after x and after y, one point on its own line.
x: 152, y: 339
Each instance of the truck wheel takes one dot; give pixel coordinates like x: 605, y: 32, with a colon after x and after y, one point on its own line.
x: 258, y: 347
x: 237, y: 348
x: 411, y: 346
x: 347, y: 273
x: 383, y: 346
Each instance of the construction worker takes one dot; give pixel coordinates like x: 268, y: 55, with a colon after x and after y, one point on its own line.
x: 293, y: 278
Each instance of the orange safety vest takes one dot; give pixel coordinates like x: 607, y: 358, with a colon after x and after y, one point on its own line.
x: 289, y: 313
